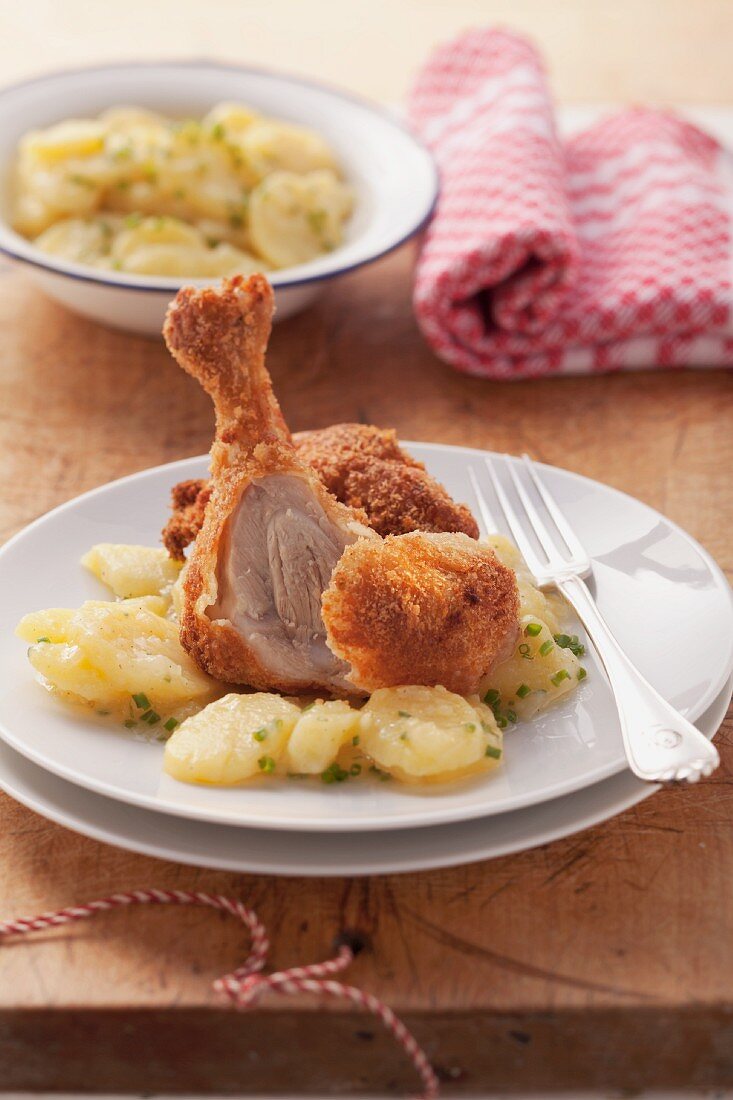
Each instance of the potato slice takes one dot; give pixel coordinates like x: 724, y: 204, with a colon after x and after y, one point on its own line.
x: 104, y: 653
x: 319, y: 734
x: 232, y: 118
x: 537, y: 674
x: 76, y: 137
x: 293, y: 219
x: 232, y: 739
x: 270, y: 146
x: 549, y: 607
x: 81, y: 240
x: 428, y: 734
x: 133, y: 571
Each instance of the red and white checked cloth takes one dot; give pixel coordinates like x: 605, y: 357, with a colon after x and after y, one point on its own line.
x: 611, y: 252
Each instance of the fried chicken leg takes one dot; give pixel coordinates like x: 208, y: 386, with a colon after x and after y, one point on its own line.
x: 421, y: 609
x: 362, y: 466
x: 271, y: 532
x: 286, y: 587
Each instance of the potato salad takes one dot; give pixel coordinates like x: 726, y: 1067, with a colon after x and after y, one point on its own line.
x: 132, y: 191
x: 122, y: 659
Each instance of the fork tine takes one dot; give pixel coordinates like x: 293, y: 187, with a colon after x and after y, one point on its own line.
x: 572, y: 541
x: 487, y: 517
x: 515, y: 526
x: 536, y: 521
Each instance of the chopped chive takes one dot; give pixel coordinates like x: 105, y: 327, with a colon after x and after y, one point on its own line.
x: 317, y: 221
x: 309, y: 706
x: 103, y: 713
x: 141, y: 700
x: 546, y: 648
x: 382, y: 776
x: 491, y: 696
x: 501, y: 722
x: 570, y: 641
x: 151, y: 717
x: 582, y: 673
x: 558, y: 678
x: 469, y: 727
x: 132, y: 221
x: 355, y: 769
x: 130, y: 723
x: 494, y: 753
x: 217, y: 131
x: 533, y: 629
x: 355, y: 740
x: 260, y: 734
x: 404, y: 737
x: 236, y: 220
x: 170, y: 725
x: 523, y: 691
x: 526, y: 652
x: 266, y: 764
x: 43, y: 639
x: 334, y: 774
x: 511, y: 715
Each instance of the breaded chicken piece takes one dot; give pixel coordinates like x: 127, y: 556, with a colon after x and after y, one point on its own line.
x: 421, y: 609
x: 365, y: 468
x: 188, y: 507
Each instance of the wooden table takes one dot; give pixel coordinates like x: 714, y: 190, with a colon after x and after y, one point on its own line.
x: 603, y: 960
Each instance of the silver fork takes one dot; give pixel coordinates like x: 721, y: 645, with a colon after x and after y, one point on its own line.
x: 661, y: 745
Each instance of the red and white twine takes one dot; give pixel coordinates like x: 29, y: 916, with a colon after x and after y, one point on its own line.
x: 245, y: 985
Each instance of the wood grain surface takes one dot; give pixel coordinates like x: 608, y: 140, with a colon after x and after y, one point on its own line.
x: 603, y: 960
x: 631, y: 921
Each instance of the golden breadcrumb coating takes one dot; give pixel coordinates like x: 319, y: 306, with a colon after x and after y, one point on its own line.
x: 188, y: 506
x: 365, y: 468
x: 421, y: 609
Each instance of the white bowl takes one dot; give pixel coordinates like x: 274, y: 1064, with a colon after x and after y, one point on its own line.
x: 394, y: 177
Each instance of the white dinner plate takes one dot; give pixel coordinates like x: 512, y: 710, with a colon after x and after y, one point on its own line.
x: 274, y: 852
x: 665, y: 598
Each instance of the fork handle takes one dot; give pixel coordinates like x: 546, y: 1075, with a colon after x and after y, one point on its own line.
x: 661, y: 745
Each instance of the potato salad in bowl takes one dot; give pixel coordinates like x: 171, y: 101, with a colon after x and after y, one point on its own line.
x: 136, y: 192
x: 121, y: 182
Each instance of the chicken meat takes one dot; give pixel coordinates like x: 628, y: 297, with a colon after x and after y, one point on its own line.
x: 271, y: 532
x: 362, y: 466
